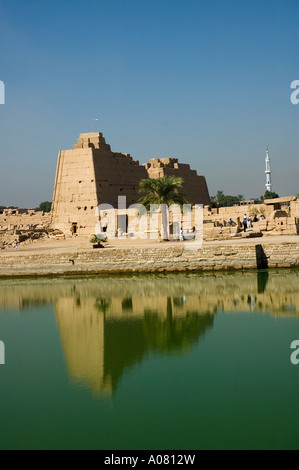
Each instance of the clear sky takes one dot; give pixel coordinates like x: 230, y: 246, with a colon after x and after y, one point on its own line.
x: 206, y: 81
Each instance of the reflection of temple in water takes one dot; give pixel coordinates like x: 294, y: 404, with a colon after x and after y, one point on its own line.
x: 103, y: 336
x: 108, y: 324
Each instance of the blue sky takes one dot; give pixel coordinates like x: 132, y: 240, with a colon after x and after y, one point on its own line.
x: 206, y: 81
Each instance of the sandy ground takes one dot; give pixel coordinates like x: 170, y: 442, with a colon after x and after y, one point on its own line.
x: 82, y: 243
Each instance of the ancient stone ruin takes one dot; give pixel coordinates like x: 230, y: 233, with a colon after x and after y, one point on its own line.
x: 91, y: 174
x: 274, y: 217
x: 22, y: 225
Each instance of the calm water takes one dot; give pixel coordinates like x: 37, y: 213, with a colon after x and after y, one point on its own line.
x: 160, y: 363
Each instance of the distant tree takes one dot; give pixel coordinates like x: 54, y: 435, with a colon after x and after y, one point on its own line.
x: 270, y: 195
x: 44, y: 206
x: 226, y: 200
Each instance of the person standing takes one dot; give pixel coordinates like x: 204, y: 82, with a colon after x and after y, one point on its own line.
x: 245, y: 223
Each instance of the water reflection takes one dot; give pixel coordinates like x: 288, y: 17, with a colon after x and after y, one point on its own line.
x: 107, y: 325
x: 262, y: 281
x: 102, y: 335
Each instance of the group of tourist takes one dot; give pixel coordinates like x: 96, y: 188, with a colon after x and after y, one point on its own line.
x: 247, y: 221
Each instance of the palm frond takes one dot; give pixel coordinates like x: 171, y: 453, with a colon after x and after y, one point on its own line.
x: 164, y: 190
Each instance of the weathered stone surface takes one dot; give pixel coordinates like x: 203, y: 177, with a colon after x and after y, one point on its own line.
x: 111, y: 260
x: 274, y: 217
x: 195, y: 186
x: 91, y: 174
x: 23, y: 219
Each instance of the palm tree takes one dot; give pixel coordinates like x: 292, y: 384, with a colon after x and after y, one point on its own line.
x: 163, y: 192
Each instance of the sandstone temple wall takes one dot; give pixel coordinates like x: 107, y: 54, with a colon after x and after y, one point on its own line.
x: 91, y: 174
x: 195, y: 186
x: 279, y: 217
x: 16, y: 219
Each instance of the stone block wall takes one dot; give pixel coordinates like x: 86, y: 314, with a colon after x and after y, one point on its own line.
x: 24, y: 220
x: 91, y: 174
x: 208, y: 258
x: 281, y: 221
x: 195, y: 187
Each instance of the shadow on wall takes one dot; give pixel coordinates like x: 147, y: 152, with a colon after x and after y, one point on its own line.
x: 261, y: 258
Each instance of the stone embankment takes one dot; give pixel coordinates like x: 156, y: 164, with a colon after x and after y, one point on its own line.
x: 174, y: 258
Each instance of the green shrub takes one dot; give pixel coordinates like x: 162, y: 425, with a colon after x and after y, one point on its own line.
x: 99, y: 238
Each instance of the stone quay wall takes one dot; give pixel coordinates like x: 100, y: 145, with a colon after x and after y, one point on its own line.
x: 171, y: 259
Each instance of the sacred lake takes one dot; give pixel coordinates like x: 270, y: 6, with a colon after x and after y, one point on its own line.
x: 151, y: 362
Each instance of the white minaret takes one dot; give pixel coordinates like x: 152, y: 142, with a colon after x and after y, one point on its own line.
x: 268, y: 172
